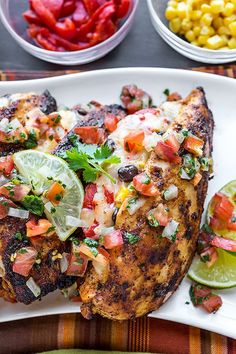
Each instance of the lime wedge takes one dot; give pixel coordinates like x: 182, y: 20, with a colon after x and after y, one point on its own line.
x: 41, y: 169
x: 230, y: 190
x: 221, y: 275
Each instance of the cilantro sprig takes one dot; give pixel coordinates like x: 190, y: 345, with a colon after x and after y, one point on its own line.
x: 92, y: 160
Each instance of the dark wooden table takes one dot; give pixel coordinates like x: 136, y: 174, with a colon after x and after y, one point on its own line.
x: 142, y: 47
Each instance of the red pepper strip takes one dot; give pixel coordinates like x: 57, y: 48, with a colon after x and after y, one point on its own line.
x: 67, y: 45
x: 45, y: 43
x: 31, y: 17
x: 54, y: 6
x: 103, y: 31
x: 68, y: 8
x: 66, y: 29
x: 122, y: 8
x: 80, y: 15
x: 91, y: 6
x: 87, y: 28
x: 33, y: 30
x: 44, y: 13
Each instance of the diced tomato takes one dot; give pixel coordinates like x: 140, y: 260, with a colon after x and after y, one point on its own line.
x: 90, y: 191
x: 143, y: 184
x: 54, y: 6
x: 111, y: 122
x: 108, y: 195
x: 201, y: 291
x: 209, y: 256
x: 55, y: 193
x: 147, y: 110
x: 4, y: 206
x: 217, y: 224
x: 15, y: 192
x: 90, y: 135
x: 112, y: 240
x: 66, y: 29
x: 24, y: 261
x: 175, y: 96
x: 173, y: 142
x: 89, y: 232
x: 34, y: 228
x: 223, y: 208
x: 212, y: 304
x: 224, y: 243
x: 231, y: 225
x: 44, y: 13
x: 78, y: 263
x: 103, y: 252
x: 194, y: 145
x: 133, y: 142
x: 160, y: 213
x: 167, y: 153
x: 37, y: 242
x: 6, y: 165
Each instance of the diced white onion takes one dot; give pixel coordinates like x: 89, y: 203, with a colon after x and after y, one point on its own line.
x: 179, y: 136
x: 3, y: 180
x: 184, y: 175
x: 171, y: 192
x: 135, y: 206
x: 64, y: 262
x: 4, y: 123
x: 48, y: 206
x: 33, y: 287
x: 102, y: 231
x: 170, y: 229
x: 151, y: 141
x: 18, y: 213
x: 74, y: 222
x: 35, y: 113
x: 88, y: 216
x: 15, y: 123
x: 4, y: 102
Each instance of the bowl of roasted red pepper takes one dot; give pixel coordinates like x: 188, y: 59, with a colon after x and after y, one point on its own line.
x: 68, y: 31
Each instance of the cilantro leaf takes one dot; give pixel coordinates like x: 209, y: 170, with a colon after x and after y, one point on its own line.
x: 92, y: 160
x: 34, y: 204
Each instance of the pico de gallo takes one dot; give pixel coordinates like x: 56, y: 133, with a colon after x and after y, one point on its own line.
x: 71, y: 25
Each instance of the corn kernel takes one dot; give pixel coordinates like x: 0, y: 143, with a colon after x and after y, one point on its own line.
x: 170, y: 13
x: 232, y: 28
x: 223, y: 30
x: 121, y: 195
x: 202, y: 39
x: 175, y: 25
x: 217, y: 22
x: 205, y: 8
x: 207, y: 19
x: 232, y: 43
x: 173, y: 3
x: 217, y: 6
x: 186, y: 25
x: 229, y: 9
x: 205, y: 31
x: 196, y: 30
x: 195, y: 15
x: 228, y: 20
x: 190, y: 36
x: 182, y: 10
x: 215, y: 42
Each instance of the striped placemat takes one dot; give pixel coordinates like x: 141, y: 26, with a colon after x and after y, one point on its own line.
x: 73, y: 331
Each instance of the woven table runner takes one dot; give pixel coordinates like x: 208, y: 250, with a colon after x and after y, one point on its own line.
x: 73, y: 331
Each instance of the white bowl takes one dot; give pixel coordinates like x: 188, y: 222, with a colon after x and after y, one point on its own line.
x: 11, y: 17
x: 157, y: 13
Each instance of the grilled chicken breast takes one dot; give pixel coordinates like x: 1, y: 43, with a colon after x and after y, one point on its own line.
x: 142, y: 276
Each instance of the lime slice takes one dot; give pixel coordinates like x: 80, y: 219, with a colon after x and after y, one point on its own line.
x: 41, y: 169
x: 221, y: 275
x: 230, y: 190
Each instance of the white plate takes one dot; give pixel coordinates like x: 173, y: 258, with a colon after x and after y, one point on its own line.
x: 105, y: 86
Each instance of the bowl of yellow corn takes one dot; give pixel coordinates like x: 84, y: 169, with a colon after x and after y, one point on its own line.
x: 202, y: 30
